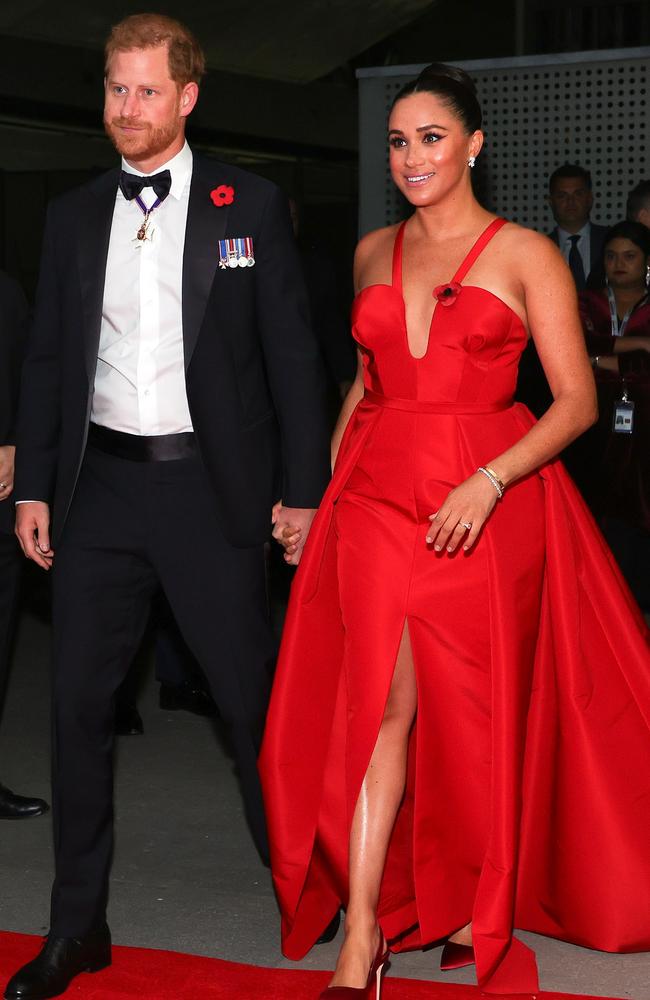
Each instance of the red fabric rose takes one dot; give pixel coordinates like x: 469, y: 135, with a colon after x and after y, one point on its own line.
x: 446, y: 294
x: 223, y: 195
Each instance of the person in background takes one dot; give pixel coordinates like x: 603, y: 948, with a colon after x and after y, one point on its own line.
x: 615, y: 474
x: 581, y: 243
x: 13, y: 319
x: 638, y: 204
x: 580, y: 240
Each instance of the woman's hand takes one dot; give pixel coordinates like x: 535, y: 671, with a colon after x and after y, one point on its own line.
x: 463, y: 514
x: 7, y: 453
x: 290, y: 529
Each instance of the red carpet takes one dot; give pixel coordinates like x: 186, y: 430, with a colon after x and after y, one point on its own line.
x: 167, y: 975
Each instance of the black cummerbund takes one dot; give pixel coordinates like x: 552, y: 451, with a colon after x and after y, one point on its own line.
x: 142, y: 448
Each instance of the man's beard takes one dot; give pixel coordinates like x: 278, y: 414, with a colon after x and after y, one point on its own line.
x: 145, y: 143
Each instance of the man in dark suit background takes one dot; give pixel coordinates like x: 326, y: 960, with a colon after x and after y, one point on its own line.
x: 172, y: 393
x: 13, y: 319
x: 581, y: 241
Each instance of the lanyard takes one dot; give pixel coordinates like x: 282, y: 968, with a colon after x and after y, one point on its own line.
x: 618, y: 330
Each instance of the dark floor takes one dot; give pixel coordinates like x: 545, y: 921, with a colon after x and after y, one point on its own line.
x: 186, y: 876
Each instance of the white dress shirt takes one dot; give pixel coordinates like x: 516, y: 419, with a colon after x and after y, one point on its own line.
x: 583, y: 244
x: 140, y: 377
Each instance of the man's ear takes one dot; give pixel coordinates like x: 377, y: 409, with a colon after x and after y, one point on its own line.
x: 189, y: 97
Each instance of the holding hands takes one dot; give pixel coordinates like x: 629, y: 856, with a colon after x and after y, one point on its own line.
x: 463, y: 514
x: 290, y: 528
x: 7, y: 453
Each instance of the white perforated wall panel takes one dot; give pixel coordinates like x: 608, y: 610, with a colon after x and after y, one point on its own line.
x: 539, y: 112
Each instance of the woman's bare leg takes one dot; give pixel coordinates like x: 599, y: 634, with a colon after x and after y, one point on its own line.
x: 373, y: 821
x: 462, y: 936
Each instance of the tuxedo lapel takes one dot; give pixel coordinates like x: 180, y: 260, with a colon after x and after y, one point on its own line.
x: 206, y: 225
x: 96, y: 216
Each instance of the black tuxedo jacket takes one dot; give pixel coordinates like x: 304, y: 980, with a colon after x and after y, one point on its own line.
x: 13, y: 321
x: 255, y: 384
x: 596, y: 248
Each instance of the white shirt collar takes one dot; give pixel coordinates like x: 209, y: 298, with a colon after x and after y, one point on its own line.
x: 564, y: 237
x: 180, y: 167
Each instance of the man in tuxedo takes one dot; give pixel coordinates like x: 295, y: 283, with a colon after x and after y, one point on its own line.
x: 172, y: 393
x: 13, y: 318
x: 580, y: 240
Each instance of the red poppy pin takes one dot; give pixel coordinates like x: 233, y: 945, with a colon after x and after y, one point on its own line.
x: 223, y: 195
x: 446, y: 294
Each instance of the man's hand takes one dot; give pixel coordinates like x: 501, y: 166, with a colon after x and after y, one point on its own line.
x: 290, y: 528
x: 33, y: 531
x: 7, y: 452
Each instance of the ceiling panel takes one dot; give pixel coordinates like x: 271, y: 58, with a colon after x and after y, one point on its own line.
x: 293, y: 40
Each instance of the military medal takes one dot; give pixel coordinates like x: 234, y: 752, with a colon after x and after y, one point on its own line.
x: 143, y: 232
x: 237, y: 252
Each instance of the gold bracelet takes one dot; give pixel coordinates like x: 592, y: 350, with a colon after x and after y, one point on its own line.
x: 494, y: 479
x: 500, y: 482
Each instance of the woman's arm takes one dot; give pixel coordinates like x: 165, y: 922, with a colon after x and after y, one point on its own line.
x: 621, y: 345
x: 551, y: 306
x: 626, y: 362
x: 624, y: 344
x: 349, y: 405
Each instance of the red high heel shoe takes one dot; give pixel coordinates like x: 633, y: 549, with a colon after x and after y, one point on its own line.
x: 377, y: 970
x: 456, y: 956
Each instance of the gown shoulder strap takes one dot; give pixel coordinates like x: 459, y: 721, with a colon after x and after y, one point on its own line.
x: 397, y: 258
x: 477, y: 249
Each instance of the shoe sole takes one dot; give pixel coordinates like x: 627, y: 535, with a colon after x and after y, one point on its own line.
x: 32, y: 815
x: 95, y: 967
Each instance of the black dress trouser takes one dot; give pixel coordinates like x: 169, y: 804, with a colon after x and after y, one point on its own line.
x: 134, y: 527
x: 11, y: 561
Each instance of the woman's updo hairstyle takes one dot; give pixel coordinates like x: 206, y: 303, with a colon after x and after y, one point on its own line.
x: 453, y: 86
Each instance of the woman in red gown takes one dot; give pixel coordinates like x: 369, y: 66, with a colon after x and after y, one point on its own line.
x: 459, y: 735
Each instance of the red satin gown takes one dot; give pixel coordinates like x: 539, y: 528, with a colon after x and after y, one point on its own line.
x: 528, y: 788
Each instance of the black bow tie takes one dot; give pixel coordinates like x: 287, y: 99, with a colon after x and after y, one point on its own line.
x: 131, y: 184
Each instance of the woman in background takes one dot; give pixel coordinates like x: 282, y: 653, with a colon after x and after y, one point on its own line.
x: 616, y: 452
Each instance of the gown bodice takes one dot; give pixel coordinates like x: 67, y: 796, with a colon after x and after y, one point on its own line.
x: 475, y: 339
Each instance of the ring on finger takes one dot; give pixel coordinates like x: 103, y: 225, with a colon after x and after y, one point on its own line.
x: 467, y: 525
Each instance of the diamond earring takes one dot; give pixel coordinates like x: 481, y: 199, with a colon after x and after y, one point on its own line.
x: 471, y: 161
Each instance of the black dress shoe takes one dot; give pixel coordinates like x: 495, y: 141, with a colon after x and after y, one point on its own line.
x: 14, y: 806
x: 331, y: 930
x: 59, y: 961
x: 189, y: 697
x: 128, y: 721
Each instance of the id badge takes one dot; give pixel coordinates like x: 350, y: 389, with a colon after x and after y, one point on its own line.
x: 623, y: 422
